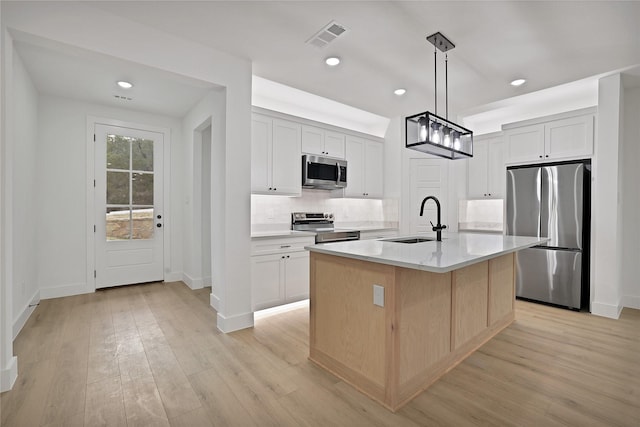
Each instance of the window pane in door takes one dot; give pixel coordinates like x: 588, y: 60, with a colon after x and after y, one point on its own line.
x: 142, y: 155
x: 118, y: 152
x: 142, y: 223
x: 142, y: 191
x: 118, y: 223
x: 118, y: 188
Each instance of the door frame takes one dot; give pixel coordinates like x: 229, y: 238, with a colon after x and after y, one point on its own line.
x: 92, y: 121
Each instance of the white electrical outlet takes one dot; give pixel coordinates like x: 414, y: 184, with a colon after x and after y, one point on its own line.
x: 378, y: 295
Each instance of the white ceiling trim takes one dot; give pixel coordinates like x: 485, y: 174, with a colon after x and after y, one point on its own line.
x: 285, y: 99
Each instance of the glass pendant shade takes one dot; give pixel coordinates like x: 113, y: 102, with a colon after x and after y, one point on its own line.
x: 432, y: 134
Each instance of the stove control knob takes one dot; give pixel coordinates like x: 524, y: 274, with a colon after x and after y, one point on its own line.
x: 330, y: 216
x: 326, y: 215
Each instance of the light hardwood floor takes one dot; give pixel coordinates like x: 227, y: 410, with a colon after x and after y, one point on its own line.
x: 151, y: 355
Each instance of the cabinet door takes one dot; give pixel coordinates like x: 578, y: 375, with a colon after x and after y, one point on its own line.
x: 373, y: 170
x: 312, y: 140
x: 287, y: 158
x: 261, y: 138
x: 334, y: 144
x: 496, y: 171
x: 296, y: 282
x: 525, y: 144
x: 569, y: 138
x: 477, y: 170
x: 266, y: 279
x: 355, y: 167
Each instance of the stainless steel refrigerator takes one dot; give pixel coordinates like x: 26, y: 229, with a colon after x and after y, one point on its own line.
x: 552, y: 200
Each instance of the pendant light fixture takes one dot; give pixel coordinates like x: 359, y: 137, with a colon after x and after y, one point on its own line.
x: 429, y: 133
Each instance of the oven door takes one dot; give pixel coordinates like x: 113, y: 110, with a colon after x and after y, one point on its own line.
x: 323, y: 172
x: 337, y: 236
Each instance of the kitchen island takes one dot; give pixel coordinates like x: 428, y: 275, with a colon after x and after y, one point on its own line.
x: 390, y: 318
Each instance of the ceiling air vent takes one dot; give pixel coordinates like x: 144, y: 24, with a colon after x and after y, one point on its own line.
x: 326, y: 35
x: 123, y: 98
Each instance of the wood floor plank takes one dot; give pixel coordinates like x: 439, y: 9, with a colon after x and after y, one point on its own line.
x: 152, y: 355
x: 105, y: 403
x: 197, y: 417
x: 142, y: 403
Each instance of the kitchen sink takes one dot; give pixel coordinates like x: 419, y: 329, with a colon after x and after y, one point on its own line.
x: 411, y: 240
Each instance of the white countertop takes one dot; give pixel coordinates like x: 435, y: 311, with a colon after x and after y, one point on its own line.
x: 456, y: 250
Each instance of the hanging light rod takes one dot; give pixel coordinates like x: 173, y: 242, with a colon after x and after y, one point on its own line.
x: 429, y: 133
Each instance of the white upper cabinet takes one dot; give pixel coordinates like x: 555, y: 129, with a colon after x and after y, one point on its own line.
x: 261, y: 150
x: 323, y: 142
x: 566, y: 138
x: 486, y: 169
x: 276, y: 152
x: 525, y: 144
x: 364, y: 168
x: 572, y: 137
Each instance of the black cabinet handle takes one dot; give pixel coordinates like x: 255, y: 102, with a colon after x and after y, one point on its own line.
x: 159, y: 225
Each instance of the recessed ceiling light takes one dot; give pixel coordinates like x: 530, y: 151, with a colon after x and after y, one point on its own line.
x: 400, y: 91
x: 125, y: 85
x: 518, y: 82
x: 332, y: 61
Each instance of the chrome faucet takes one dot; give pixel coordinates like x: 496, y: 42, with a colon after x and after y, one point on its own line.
x: 438, y: 227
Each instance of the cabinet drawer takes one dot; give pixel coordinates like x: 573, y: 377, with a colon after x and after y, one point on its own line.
x: 263, y: 246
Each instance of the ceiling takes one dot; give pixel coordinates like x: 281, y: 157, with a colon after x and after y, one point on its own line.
x: 66, y: 71
x: 384, y: 48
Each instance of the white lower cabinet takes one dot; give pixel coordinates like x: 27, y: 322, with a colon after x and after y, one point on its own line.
x: 267, y: 283
x: 282, y: 276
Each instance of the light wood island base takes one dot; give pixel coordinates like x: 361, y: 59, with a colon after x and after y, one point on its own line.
x: 430, y: 322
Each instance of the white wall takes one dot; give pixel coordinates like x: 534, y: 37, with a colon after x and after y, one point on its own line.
x: 25, y: 194
x: 62, y: 182
x: 605, y: 214
x: 630, y: 200
x: 204, y: 125
x: 8, y: 362
x: 207, y: 221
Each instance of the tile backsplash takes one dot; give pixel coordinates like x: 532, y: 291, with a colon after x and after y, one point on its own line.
x: 274, y: 212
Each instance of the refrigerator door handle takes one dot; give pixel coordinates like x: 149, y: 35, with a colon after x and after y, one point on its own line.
x: 547, y: 204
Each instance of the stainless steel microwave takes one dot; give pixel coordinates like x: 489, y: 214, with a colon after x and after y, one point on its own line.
x: 325, y: 173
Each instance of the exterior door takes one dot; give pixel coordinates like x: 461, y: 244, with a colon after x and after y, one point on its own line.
x: 428, y: 178
x: 129, y: 206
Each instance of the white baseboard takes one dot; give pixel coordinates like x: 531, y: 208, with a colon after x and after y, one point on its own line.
x: 192, y: 282
x: 174, y: 276
x: 631, y: 301
x: 606, y: 310
x: 25, y: 313
x: 66, y: 291
x: 214, y: 301
x: 235, y: 323
x: 8, y: 375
